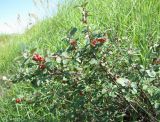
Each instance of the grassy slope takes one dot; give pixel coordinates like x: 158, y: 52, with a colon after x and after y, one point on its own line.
x: 136, y: 20
x: 8, y: 51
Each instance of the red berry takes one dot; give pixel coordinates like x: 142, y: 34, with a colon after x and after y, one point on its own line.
x: 81, y: 93
x: 42, y: 66
x: 73, y: 42
x: 41, y: 59
x: 94, y: 42
x: 18, y: 100
x: 101, y: 40
x: 37, y: 57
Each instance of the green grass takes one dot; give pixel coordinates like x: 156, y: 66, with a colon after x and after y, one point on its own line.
x: 135, y: 20
x: 9, y: 50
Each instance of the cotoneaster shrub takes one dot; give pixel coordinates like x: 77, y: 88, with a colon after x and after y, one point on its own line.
x: 96, y: 78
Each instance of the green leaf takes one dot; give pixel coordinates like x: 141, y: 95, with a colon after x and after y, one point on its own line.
x: 151, y: 73
x: 134, y: 85
x: 84, y: 4
x: 73, y: 31
x: 58, y: 59
x: 156, y: 105
x: 104, y: 91
x: 65, y: 79
x: 93, y: 61
x: 124, y: 82
x: 25, y: 55
x: 65, y: 54
x: 145, y: 87
x: 65, y: 61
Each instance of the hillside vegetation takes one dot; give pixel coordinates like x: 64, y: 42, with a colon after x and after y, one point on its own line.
x: 137, y: 21
x: 128, y: 37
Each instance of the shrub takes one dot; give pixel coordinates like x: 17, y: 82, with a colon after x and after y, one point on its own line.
x: 99, y: 81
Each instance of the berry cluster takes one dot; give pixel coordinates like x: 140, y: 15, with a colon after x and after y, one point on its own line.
x: 40, y: 60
